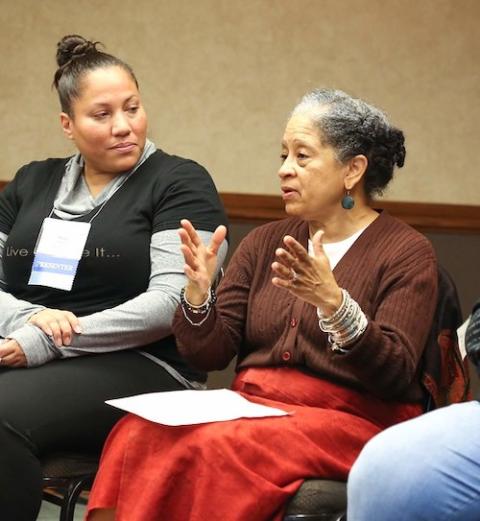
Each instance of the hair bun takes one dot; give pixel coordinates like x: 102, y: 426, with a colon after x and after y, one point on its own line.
x: 397, y: 146
x: 73, y: 46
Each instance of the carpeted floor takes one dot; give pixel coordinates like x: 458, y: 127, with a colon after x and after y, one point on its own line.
x: 51, y: 512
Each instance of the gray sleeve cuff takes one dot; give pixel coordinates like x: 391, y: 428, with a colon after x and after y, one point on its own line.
x: 15, y: 313
x: 35, y: 344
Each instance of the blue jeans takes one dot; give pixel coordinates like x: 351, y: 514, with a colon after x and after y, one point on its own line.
x: 426, y: 469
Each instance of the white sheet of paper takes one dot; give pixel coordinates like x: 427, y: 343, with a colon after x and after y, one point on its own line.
x: 461, y: 338
x: 192, y: 407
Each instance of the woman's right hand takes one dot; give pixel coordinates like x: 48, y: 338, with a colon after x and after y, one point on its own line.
x: 200, y: 260
x: 57, y: 324
x: 11, y: 354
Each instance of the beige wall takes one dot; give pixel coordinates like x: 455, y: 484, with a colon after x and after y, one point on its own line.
x: 219, y: 77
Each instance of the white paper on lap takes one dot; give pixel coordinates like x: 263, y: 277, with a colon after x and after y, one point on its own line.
x: 193, y: 407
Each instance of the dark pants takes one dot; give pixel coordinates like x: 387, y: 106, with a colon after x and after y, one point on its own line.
x: 60, y: 407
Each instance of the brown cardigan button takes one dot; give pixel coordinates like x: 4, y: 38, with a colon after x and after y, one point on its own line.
x: 286, y: 356
x: 293, y: 322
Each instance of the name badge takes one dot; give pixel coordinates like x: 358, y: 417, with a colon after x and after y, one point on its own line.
x: 59, y: 248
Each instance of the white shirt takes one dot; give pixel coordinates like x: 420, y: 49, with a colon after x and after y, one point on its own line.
x: 336, y: 250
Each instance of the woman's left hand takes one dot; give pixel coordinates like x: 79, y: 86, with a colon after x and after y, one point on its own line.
x: 58, y: 324
x: 11, y: 354
x: 306, y: 277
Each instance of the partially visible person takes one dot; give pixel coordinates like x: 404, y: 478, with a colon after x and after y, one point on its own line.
x: 426, y: 469
x: 472, y: 337
x: 91, y: 265
x: 332, y: 336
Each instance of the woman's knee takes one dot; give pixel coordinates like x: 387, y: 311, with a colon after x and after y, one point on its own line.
x: 369, y: 466
x: 376, y: 472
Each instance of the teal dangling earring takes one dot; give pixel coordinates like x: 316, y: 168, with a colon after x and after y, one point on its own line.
x: 348, y: 202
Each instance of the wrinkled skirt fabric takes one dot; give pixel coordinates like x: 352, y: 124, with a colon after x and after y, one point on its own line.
x: 245, y: 469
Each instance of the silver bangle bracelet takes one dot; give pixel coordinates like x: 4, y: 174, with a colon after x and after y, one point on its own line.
x: 346, y: 325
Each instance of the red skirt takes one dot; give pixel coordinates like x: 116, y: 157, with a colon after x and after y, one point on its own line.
x: 241, y: 469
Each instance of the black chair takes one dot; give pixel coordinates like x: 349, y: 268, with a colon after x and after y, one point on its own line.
x: 65, y: 477
x: 318, y: 500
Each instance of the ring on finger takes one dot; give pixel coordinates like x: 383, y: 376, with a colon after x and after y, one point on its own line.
x: 293, y: 276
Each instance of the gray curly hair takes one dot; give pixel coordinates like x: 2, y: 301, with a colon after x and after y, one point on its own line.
x: 352, y: 126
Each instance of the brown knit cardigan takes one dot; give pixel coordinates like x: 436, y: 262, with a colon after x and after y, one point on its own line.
x: 390, y: 271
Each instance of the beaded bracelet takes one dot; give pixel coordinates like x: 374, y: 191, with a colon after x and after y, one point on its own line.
x: 346, y: 325
x: 202, y: 309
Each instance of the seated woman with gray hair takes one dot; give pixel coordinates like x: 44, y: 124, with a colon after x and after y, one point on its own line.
x: 321, y: 310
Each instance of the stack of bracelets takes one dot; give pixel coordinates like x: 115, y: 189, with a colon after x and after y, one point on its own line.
x: 346, y: 325
x: 203, y: 310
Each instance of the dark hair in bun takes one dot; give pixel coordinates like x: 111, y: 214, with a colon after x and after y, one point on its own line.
x: 352, y: 126
x: 75, y: 57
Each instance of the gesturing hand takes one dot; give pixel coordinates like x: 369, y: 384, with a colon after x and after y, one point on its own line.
x: 11, y: 354
x: 58, y: 324
x: 309, y: 278
x: 200, y: 260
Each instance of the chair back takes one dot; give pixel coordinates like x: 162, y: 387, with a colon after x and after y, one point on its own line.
x: 444, y: 372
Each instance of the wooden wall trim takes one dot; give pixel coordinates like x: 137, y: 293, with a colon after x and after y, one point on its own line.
x: 426, y: 217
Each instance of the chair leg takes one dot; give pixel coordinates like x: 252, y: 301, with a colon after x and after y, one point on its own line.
x: 75, y: 488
